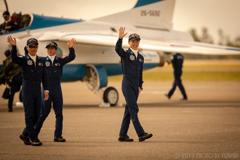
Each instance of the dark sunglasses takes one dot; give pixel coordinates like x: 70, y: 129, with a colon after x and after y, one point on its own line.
x: 33, y: 46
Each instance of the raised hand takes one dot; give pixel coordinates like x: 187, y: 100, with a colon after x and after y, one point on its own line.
x: 11, y: 40
x: 71, y: 42
x: 121, y: 32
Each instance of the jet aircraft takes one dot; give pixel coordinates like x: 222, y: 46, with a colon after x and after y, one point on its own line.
x: 96, y: 58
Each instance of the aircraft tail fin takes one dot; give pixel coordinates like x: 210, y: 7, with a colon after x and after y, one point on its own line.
x: 154, y: 14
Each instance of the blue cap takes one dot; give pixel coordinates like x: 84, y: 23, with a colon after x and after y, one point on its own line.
x: 133, y: 37
x: 32, y: 41
x: 52, y: 44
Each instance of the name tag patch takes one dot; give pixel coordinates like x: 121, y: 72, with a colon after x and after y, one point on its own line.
x: 57, y: 64
x: 140, y: 60
x: 29, y: 62
x: 47, y: 63
x: 132, y: 57
x: 40, y: 64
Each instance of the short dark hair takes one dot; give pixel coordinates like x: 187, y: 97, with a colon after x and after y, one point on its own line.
x: 7, y: 53
x: 6, y: 13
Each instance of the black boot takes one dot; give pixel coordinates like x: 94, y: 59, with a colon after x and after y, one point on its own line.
x: 59, y: 139
x: 144, y: 136
x: 25, y: 139
x: 36, y: 142
x: 125, y: 139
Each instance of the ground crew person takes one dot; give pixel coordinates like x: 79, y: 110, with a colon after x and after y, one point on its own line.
x: 33, y: 73
x: 11, y: 74
x: 54, y: 67
x: 177, y: 63
x: 132, y: 66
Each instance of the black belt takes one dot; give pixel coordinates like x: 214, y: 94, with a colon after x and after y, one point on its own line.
x: 31, y: 81
x: 131, y: 77
x: 54, y: 81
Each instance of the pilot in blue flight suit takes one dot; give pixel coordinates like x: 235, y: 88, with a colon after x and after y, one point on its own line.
x: 54, y: 67
x: 132, y: 66
x: 177, y: 62
x: 33, y: 73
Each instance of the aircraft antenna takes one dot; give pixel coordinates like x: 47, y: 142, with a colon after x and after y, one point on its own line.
x: 5, y: 1
x: 4, y: 7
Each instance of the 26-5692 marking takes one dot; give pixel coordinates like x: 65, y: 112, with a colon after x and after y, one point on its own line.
x: 155, y: 13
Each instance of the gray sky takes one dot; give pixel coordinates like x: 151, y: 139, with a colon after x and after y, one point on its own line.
x: 213, y: 14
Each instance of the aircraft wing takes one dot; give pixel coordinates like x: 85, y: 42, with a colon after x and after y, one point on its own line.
x: 189, y: 47
x: 151, y: 45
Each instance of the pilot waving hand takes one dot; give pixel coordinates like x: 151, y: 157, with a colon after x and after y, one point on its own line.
x: 132, y: 67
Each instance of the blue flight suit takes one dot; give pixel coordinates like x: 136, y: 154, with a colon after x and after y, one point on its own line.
x: 32, y: 76
x: 55, y: 92
x: 132, y: 79
x: 177, y: 61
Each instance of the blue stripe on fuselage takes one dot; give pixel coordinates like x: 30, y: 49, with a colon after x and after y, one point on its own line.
x: 73, y: 72
x: 234, y: 49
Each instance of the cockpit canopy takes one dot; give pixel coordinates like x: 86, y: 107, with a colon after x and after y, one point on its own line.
x: 22, y: 20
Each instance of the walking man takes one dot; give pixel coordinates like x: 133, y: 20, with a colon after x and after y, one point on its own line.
x: 177, y: 63
x: 132, y: 66
x: 33, y: 74
x: 54, y: 67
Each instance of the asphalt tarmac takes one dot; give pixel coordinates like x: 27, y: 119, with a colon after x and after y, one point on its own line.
x: 207, y: 126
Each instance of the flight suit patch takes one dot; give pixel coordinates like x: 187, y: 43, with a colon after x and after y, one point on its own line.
x: 132, y: 57
x: 57, y: 64
x: 40, y: 64
x: 140, y: 60
x: 47, y: 63
x: 29, y: 62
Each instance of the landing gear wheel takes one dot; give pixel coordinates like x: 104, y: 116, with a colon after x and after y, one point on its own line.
x: 110, y: 95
